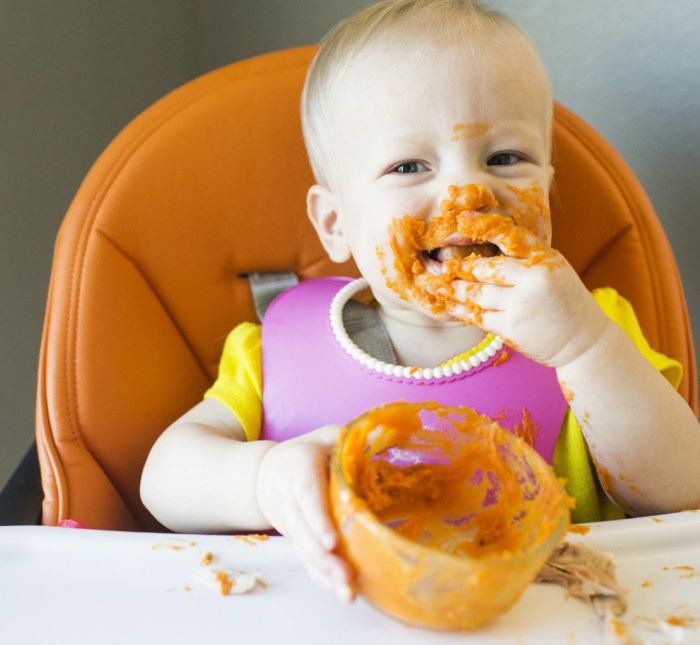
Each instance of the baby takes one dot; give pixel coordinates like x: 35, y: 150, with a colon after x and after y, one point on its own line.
x: 428, y: 125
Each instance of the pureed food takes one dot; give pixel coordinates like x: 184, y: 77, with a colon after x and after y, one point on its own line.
x: 428, y: 255
x: 445, y: 515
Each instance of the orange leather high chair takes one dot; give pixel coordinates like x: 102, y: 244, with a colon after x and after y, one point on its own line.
x: 208, y: 185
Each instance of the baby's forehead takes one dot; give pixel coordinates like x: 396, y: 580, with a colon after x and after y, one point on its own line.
x: 344, y: 84
x: 385, y: 64
x: 382, y: 56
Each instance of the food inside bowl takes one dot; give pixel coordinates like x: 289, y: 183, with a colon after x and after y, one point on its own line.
x: 445, y: 515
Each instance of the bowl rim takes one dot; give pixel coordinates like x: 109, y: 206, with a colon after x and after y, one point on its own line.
x: 365, y: 513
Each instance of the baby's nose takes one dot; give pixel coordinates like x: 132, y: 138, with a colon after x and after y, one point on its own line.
x: 470, y: 197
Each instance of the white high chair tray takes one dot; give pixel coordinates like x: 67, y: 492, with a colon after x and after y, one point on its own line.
x: 60, y: 585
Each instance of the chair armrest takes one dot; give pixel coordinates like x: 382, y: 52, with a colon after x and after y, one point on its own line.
x: 20, y: 499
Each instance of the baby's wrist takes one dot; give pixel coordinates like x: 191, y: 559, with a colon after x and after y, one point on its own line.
x: 598, y: 342
x: 263, y: 485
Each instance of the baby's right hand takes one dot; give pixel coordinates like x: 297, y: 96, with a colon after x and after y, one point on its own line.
x: 293, y: 496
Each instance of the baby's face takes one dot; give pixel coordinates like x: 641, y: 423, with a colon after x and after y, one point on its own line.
x: 409, y: 124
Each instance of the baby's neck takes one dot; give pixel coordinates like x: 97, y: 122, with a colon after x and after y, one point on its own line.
x: 419, y: 341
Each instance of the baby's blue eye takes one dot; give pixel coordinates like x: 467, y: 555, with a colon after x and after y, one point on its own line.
x: 504, y: 159
x: 409, y: 167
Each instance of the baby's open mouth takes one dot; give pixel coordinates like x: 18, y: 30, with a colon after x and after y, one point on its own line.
x: 460, y: 251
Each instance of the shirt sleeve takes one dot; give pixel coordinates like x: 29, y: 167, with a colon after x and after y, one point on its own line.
x: 620, y: 310
x: 239, y: 382
x: 572, y: 460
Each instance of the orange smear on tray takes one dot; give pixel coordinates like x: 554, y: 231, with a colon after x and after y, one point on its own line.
x: 430, y: 255
x: 579, y: 529
x: 476, y: 499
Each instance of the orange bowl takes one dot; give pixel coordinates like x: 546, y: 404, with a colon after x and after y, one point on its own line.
x: 445, y: 516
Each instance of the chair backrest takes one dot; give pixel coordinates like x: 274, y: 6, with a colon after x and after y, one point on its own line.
x: 207, y: 185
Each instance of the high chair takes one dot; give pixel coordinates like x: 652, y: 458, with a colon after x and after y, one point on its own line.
x: 207, y: 186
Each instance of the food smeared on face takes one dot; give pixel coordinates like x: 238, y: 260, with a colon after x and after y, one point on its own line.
x: 430, y: 255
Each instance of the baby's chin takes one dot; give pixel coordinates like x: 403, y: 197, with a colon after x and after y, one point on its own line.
x: 441, y: 317
x: 411, y: 310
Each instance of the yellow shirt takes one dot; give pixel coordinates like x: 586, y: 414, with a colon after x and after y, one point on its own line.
x: 239, y: 386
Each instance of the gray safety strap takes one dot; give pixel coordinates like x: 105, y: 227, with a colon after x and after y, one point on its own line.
x: 367, y: 331
x: 266, y: 286
x: 361, y: 322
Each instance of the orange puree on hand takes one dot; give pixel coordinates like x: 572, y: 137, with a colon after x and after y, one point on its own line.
x: 430, y: 255
x: 445, y: 516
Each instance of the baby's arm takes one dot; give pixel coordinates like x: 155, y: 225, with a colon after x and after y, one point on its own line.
x: 203, y: 476
x: 643, y: 437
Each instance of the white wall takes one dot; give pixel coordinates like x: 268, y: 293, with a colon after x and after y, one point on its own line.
x: 72, y: 72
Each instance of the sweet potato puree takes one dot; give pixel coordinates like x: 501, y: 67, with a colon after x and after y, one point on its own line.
x: 430, y: 255
x: 445, y: 516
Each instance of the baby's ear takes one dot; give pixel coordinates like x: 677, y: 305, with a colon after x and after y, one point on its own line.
x: 322, y: 210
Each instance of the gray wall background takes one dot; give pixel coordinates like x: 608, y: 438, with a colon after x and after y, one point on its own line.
x: 74, y: 72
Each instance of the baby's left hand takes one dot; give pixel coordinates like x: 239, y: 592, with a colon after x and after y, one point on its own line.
x: 539, y: 306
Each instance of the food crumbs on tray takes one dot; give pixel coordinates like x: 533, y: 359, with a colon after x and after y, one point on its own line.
x: 579, y: 529
x: 680, y: 624
x: 657, y: 520
x: 689, y: 572
x: 619, y: 626
x: 647, y: 583
x: 252, y: 539
x: 225, y: 583
x: 229, y: 582
x: 677, y: 621
x: 179, y: 545
x: 206, y: 559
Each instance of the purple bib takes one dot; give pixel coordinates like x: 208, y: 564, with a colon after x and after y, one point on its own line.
x: 309, y: 380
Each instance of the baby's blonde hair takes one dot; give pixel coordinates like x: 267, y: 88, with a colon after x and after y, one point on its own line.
x: 388, y: 23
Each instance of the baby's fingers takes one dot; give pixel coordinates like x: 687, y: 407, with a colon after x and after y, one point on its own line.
x: 310, y: 493
x: 465, y: 291
x: 328, y: 579
x: 516, y: 242
x: 329, y: 570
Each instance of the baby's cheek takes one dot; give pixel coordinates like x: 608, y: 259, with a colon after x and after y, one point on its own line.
x: 531, y: 211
